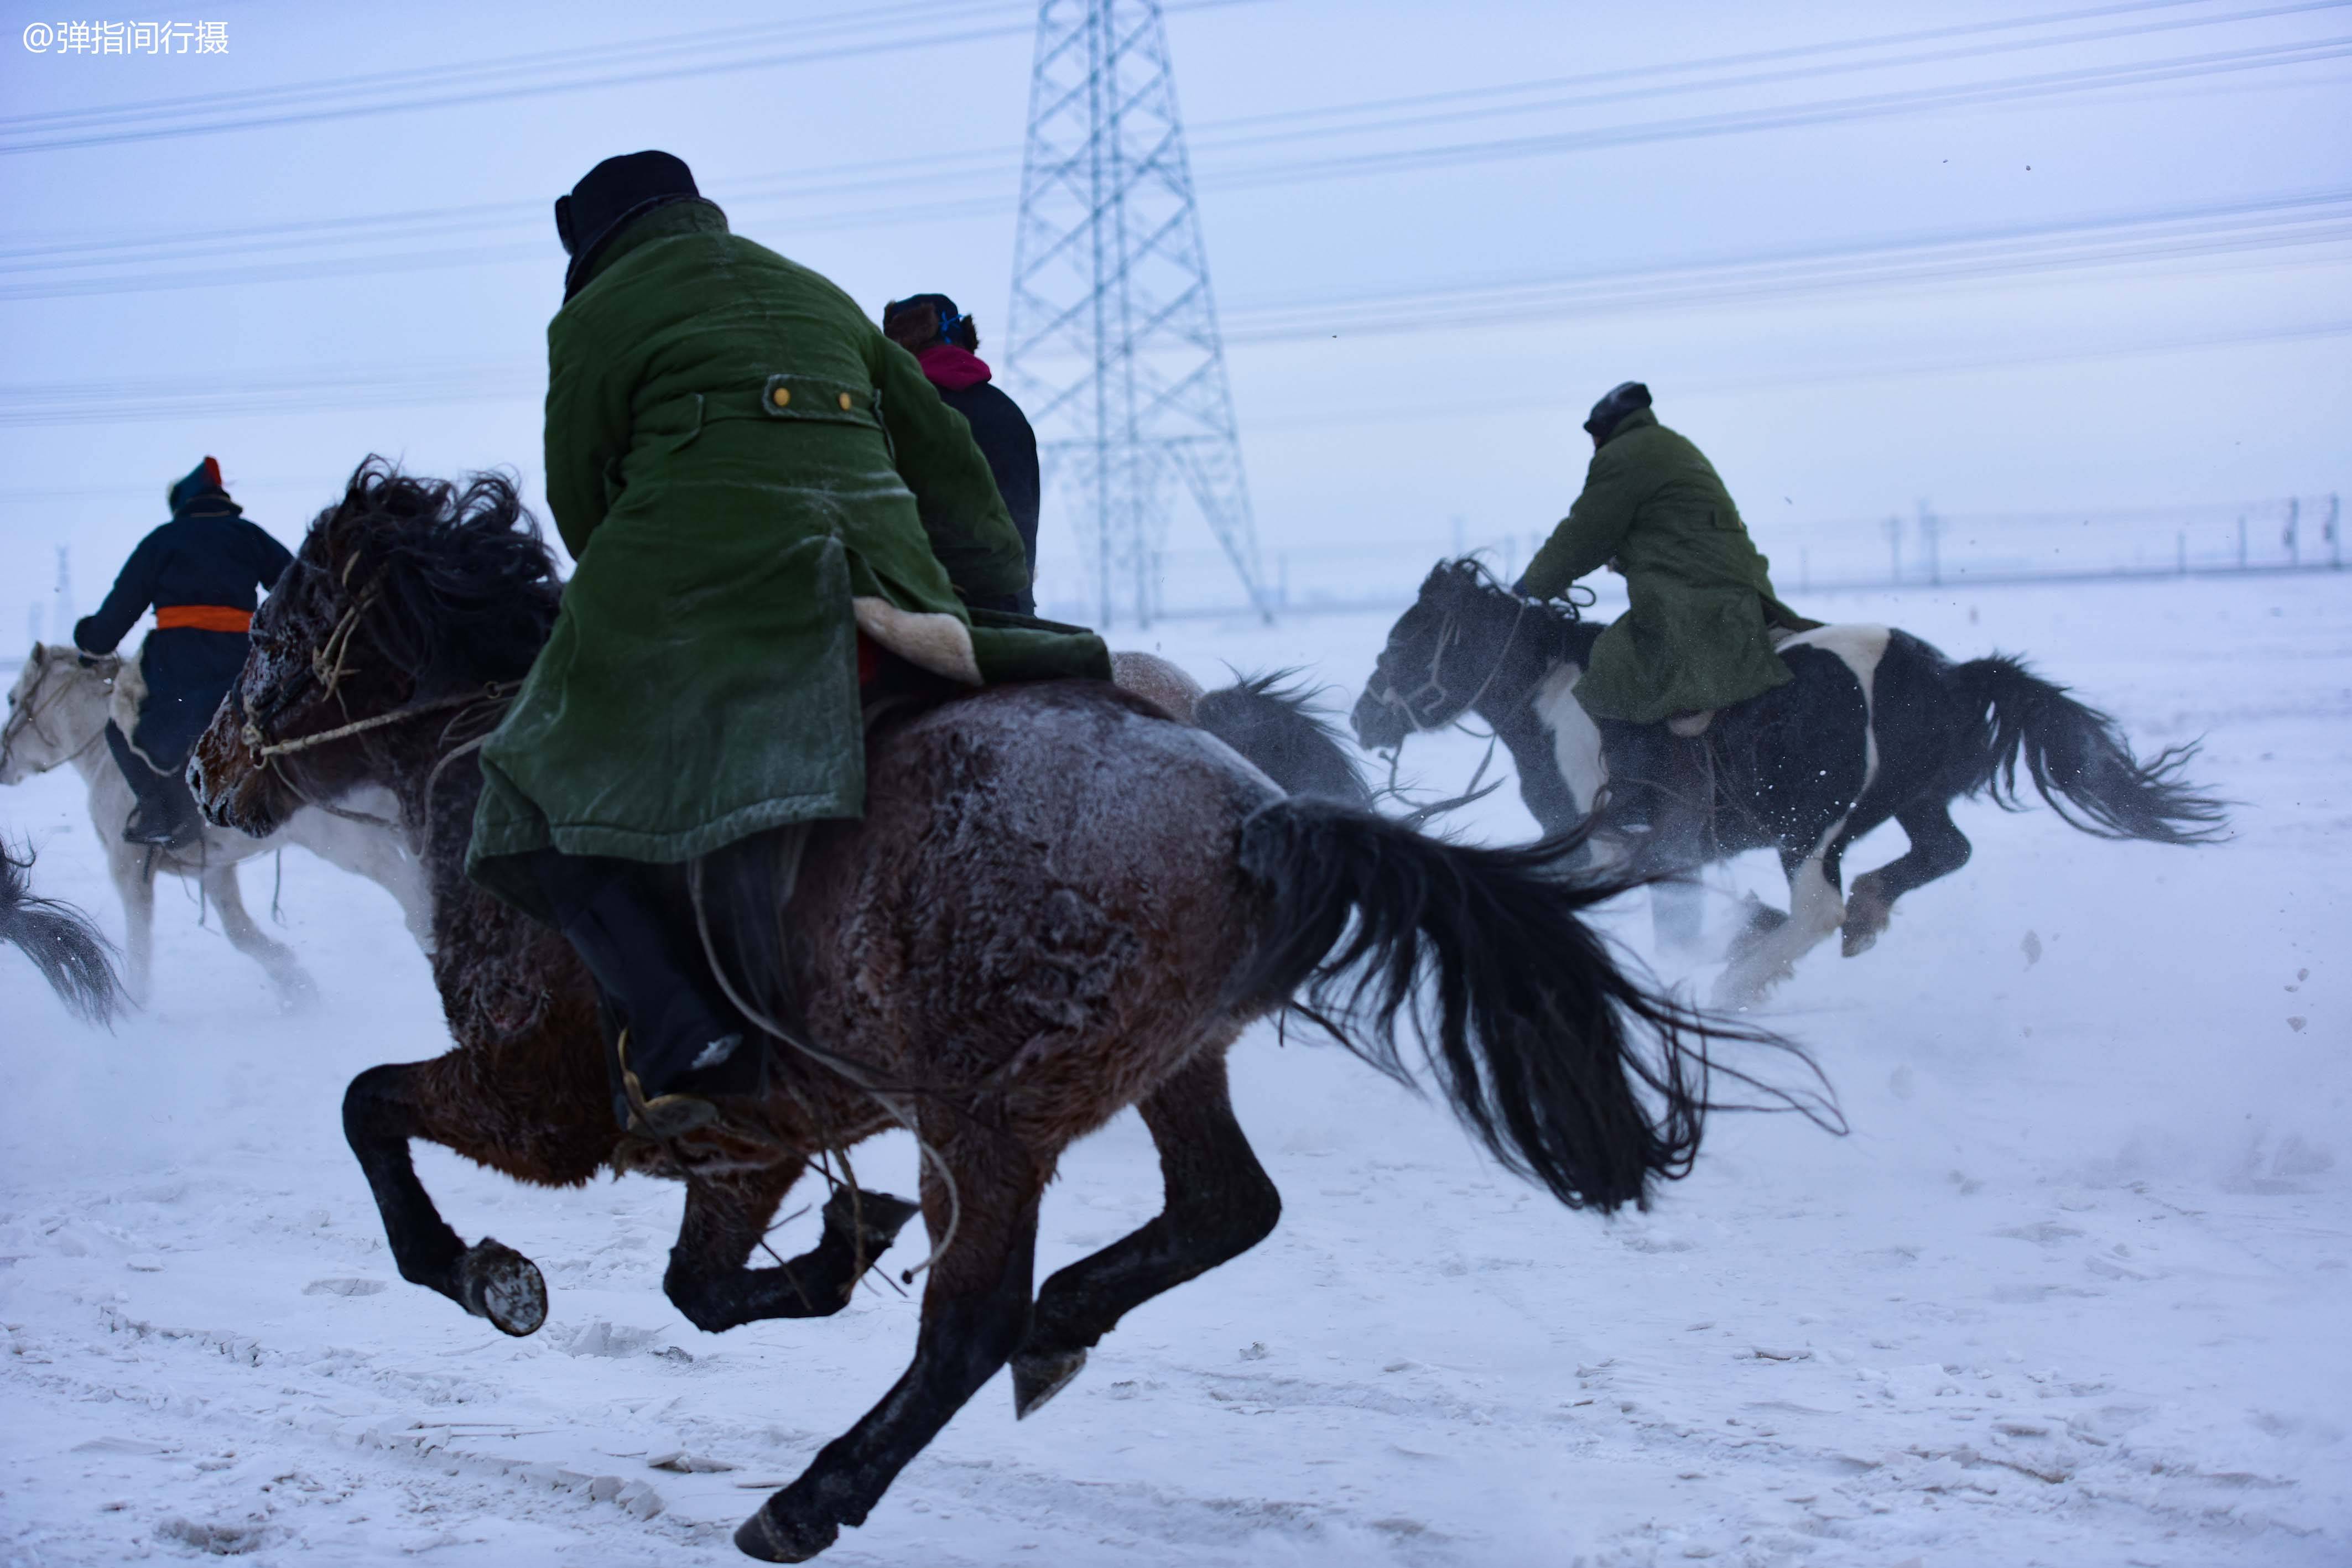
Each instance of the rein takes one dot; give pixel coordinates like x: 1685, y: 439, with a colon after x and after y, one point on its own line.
x: 28, y: 717
x: 267, y: 750
x: 1435, y: 681
x: 329, y: 662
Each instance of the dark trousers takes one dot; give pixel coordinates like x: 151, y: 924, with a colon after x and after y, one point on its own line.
x: 164, y: 799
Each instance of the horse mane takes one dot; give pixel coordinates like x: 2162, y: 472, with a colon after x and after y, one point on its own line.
x: 467, y: 582
x: 1464, y: 575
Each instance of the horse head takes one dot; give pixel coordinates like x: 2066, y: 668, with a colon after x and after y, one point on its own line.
x: 410, y: 599
x: 1443, y: 652
x: 56, y: 710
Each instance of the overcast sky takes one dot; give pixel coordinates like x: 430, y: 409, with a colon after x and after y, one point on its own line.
x: 2202, y: 148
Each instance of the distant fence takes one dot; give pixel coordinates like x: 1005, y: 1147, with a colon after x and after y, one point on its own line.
x: 1925, y: 549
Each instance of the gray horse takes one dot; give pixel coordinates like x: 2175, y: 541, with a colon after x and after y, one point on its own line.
x: 57, y: 715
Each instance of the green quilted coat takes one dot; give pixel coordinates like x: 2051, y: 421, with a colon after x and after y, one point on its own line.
x: 734, y: 454
x: 1694, y: 638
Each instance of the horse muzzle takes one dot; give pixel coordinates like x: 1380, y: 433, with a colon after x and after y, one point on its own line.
x: 1380, y: 722
x: 232, y: 788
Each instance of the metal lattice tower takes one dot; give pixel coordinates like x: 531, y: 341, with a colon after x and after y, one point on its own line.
x: 1113, y: 334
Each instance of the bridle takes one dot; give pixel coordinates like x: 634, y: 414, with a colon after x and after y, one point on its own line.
x: 329, y: 662
x: 27, y: 715
x: 1410, y: 703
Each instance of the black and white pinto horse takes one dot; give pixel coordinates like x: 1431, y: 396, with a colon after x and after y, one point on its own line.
x: 1876, y: 725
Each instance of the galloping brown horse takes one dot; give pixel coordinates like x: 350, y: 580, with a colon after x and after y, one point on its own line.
x: 1059, y: 903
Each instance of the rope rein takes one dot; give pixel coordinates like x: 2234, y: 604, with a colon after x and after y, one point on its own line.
x: 266, y: 750
x: 29, y: 715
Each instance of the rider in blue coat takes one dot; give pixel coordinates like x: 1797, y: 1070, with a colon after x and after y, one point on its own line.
x: 202, y: 573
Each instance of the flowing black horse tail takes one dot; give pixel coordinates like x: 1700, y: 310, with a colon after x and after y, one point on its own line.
x: 76, y: 961
x: 2078, y: 760
x: 1572, y: 1073
x: 1272, y: 719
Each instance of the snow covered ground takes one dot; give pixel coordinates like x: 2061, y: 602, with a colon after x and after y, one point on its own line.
x: 2072, y: 1292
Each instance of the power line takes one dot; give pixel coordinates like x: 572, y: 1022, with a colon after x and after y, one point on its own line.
x: 1713, y: 62
x: 447, y: 99
x: 983, y: 162
x: 1967, y: 95
x: 1486, y: 108
x: 104, y: 116
x: 1873, y: 106
x: 1951, y: 255
x: 1826, y: 375
x: 1940, y: 257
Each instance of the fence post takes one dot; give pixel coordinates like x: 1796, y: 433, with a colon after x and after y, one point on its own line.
x: 2294, y: 538
x: 2180, y: 552
x: 1931, y: 528
x: 2335, y: 532
x: 1894, y: 548
x: 1282, y: 571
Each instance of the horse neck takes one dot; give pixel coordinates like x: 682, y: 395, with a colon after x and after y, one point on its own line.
x: 1533, y: 648
x: 80, y: 712
x: 489, y: 959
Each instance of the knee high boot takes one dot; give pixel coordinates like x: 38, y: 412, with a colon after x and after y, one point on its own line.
x: 1640, y: 758
x: 684, y: 1039
x: 166, y: 816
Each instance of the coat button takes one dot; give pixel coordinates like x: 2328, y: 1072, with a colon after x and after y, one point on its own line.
x: 781, y: 396
x: 845, y: 402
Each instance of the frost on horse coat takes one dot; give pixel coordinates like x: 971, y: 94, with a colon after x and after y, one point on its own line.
x: 1058, y: 903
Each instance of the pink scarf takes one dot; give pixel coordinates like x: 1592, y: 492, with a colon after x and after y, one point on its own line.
x: 951, y: 368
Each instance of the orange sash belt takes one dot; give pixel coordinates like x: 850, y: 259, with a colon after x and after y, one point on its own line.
x: 201, y: 618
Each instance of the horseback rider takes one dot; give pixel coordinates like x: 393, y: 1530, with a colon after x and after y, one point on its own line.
x: 773, y: 516
x: 946, y: 344
x: 201, y: 572
x: 1699, y: 635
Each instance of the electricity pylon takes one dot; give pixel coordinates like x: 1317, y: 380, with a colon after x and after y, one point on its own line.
x: 1113, y: 333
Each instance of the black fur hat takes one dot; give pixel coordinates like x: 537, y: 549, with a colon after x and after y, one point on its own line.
x: 608, y: 196
x: 917, y: 321
x: 1624, y: 398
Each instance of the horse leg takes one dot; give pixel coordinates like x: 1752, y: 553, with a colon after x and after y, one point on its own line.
x: 137, y: 890
x: 1937, y: 849
x: 446, y: 1102
x: 1678, y: 913
x: 727, y: 1217
x: 1816, y: 908
x: 1220, y: 1204
x: 975, y: 1312
x: 295, y: 986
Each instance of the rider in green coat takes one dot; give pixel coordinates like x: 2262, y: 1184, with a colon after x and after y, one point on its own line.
x: 766, y: 500
x: 1698, y: 635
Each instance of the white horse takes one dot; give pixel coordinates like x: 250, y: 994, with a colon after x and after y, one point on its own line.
x: 57, y: 713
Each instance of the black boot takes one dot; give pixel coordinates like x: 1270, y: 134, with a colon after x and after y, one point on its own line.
x: 679, y: 1039
x: 1640, y: 758
x: 166, y: 816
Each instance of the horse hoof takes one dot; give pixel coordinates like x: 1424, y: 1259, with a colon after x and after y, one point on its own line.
x: 770, y: 1537
x: 504, y: 1286
x: 1857, y: 942
x: 1037, y: 1378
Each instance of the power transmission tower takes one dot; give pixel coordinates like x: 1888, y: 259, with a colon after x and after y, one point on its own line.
x: 1113, y: 333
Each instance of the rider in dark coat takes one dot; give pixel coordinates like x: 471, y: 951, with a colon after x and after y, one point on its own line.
x: 765, y: 497
x: 201, y: 572
x: 1699, y: 633
x: 946, y: 342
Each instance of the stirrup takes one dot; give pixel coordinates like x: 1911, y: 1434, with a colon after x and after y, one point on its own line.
x: 665, y: 1116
